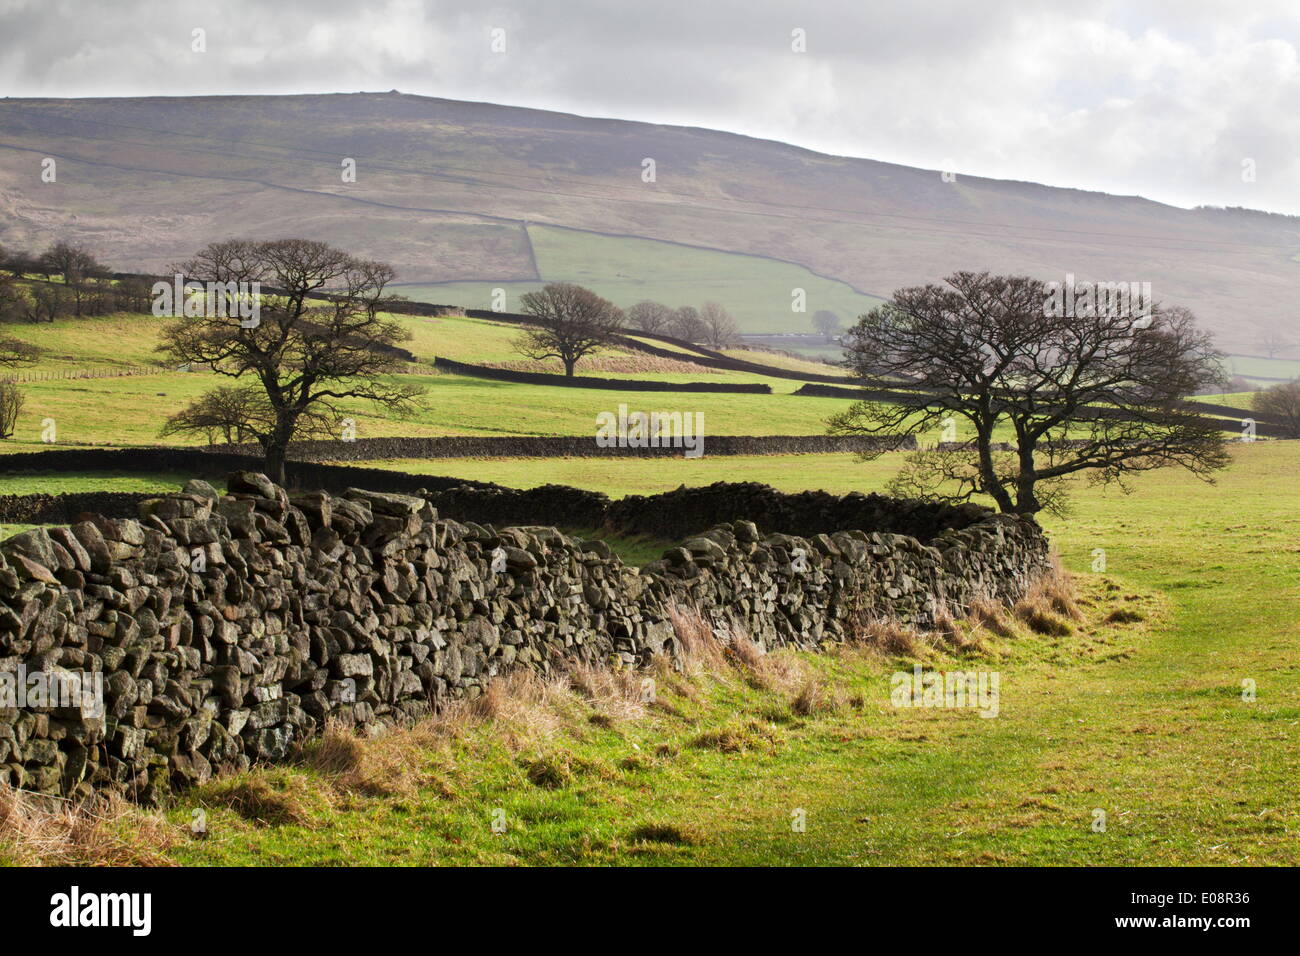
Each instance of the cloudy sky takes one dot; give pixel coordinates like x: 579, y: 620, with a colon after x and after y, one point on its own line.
x: 1177, y: 101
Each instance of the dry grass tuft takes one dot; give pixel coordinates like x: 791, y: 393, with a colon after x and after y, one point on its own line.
x: 947, y: 632
x: 1049, y: 606
x: 989, y: 615
x: 675, y: 834
x: 1057, y: 588
x: 745, y: 655
x: 550, y: 770
x: 1040, y: 617
x: 107, y: 831
x: 718, y: 653
x: 1125, y: 616
x: 779, y: 670
x: 525, y: 707
x: 386, y: 765
x: 737, y: 737
x: 699, y: 648
x: 615, y: 695
x: 884, y: 635
x: 272, y: 797
x: 817, y: 697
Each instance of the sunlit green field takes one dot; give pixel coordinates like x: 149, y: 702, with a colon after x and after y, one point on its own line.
x: 1254, y: 366
x: 131, y: 410
x: 758, y: 292
x: 101, y: 343
x: 56, y: 483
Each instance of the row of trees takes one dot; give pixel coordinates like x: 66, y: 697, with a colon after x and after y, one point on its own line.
x: 710, y: 325
x: 71, y: 263
x: 67, y: 261
x: 76, y: 284
x: 574, y: 322
x: 46, y: 302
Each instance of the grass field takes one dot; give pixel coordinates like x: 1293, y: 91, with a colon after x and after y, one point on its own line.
x: 1143, y: 720
x: 130, y: 409
x: 455, y: 405
x: 627, y: 270
x: 484, y: 342
x: 1265, y: 370
x: 817, y: 355
x: 110, y: 342
x: 55, y: 483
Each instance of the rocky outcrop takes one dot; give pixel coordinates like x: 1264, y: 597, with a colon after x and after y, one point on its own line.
x: 226, y: 629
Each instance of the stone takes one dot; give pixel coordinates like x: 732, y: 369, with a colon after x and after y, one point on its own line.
x: 367, y: 608
x: 35, y: 545
x: 29, y: 570
x: 252, y: 483
x: 200, y: 489
x: 382, y: 503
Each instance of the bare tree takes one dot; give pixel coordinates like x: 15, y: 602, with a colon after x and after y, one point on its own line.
x: 572, y: 322
x: 13, y: 354
x: 74, y: 263
x: 649, y: 316
x: 47, y: 303
x: 1099, y: 395
x: 1282, y: 404
x: 687, y: 324
x: 827, y: 324
x: 11, y: 405
x: 134, y: 294
x: 720, y: 330
x: 306, y: 352
x: 1274, y: 341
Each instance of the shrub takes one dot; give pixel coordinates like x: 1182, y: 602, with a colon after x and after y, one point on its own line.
x: 11, y: 404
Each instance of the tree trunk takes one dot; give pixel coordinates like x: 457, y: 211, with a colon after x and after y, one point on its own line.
x: 1027, y: 502
x: 568, y: 366
x: 277, y: 445
x: 988, y: 476
x: 275, y: 455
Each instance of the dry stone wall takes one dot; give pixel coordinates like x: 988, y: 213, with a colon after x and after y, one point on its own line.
x: 226, y: 629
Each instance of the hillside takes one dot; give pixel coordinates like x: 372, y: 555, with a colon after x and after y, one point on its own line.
x: 455, y: 192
